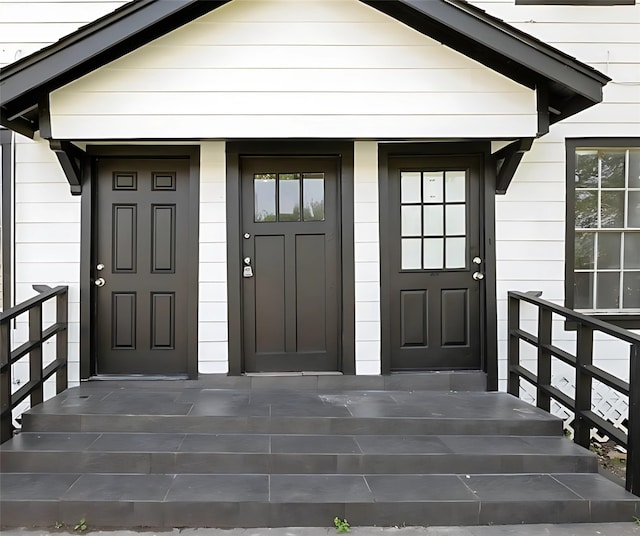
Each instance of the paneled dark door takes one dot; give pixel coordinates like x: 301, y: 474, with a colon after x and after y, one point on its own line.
x: 435, y: 265
x: 290, y: 264
x: 141, y: 266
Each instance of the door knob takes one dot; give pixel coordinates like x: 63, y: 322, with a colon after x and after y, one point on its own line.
x: 478, y: 276
x: 100, y: 282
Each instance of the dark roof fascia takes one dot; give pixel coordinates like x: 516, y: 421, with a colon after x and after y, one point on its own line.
x: 94, y: 45
x: 499, y: 46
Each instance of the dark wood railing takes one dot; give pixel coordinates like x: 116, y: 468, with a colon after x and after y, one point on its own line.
x: 34, y: 388
x: 585, y: 373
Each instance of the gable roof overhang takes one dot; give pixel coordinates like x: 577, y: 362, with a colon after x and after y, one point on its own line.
x: 564, y: 85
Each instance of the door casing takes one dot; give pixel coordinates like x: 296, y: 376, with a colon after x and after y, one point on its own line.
x: 257, y: 148
x: 488, y: 344
x: 88, y: 350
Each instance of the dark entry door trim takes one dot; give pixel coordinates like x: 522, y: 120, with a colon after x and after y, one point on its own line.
x: 342, y: 149
x: 487, y: 222
x: 88, y: 240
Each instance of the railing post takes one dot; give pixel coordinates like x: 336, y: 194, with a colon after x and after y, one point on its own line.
x: 584, y: 356
x: 62, y: 339
x: 6, y: 425
x: 35, y: 356
x: 513, y: 348
x: 544, y: 358
x: 633, y: 419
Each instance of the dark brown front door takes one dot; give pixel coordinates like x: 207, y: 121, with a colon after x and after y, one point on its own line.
x: 434, y: 234
x: 290, y: 264
x: 141, y: 261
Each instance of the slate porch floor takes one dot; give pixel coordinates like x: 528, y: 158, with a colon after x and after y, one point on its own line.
x: 172, y: 454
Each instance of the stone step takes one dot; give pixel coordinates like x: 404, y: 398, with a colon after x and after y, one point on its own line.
x: 110, y: 409
x: 298, y: 454
x: 262, y: 500
x: 437, y: 381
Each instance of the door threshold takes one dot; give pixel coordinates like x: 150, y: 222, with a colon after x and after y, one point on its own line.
x: 286, y: 374
x: 137, y: 377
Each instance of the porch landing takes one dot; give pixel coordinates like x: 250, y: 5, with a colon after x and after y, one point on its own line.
x: 299, y: 451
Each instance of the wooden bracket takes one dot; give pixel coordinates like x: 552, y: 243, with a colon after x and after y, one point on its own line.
x: 507, y: 161
x: 72, y: 160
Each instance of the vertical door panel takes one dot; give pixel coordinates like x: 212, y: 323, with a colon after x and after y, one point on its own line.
x: 125, y: 234
x: 311, y: 284
x: 269, y: 283
x: 413, y: 319
x: 123, y: 323
x: 163, y: 320
x: 163, y: 238
x: 455, y: 314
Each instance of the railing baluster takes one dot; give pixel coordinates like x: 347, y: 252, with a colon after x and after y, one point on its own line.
x: 513, y: 350
x: 33, y: 347
x: 6, y: 426
x: 544, y: 357
x: 35, y: 356
x: 633, y: 420
x: 62, y: 341
x: 584, y: 356
x: 581, y: 405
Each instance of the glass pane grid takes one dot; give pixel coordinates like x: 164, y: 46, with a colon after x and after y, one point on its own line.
x: 433, y: 223
x: 607, y: 245
x: 279, y: 196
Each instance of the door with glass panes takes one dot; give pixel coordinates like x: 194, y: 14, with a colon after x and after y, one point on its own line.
x: 436, y: 271
x: 290, y: 278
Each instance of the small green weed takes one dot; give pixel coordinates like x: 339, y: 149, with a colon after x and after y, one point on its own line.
x: 342, y: 525
x: 81, y: 526
x: 636, y: 520
x: 59, y: 525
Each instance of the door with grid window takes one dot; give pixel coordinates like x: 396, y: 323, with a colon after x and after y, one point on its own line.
x: 436, y: 269
x: 290, y: 261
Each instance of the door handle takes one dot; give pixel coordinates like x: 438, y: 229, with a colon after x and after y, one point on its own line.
x: 247, y: 270
x: 100, y: 282
x: 478, y: 276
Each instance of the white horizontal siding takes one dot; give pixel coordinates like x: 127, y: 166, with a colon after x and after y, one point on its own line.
x: 213, y: 336
x: 530, y: 218
x: 47, y: 237
x: 282, y: 69
x: 367, y: 257
x: 278, y: 126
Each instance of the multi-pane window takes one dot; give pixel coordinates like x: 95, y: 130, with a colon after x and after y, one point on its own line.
x: 606, y: 267
x: 433, y: 216
x: 279, y: 196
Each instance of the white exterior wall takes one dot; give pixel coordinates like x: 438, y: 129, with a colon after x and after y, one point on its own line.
x: 293, y: 68
x: 47, y: 240
x: 531, y: 216
x: 212, y: 289
x: 366, y: 233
